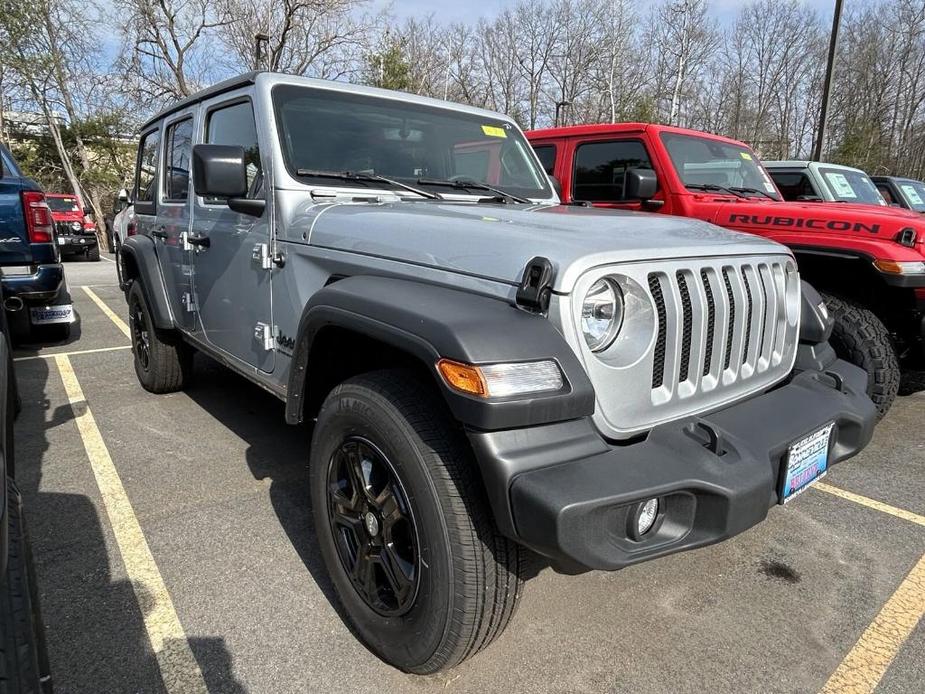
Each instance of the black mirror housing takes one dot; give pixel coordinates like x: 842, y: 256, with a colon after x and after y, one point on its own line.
x: 641, y: 184
x: 219, y: 171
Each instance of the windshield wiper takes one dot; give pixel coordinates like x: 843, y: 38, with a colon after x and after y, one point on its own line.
x: 715, y: 188
x: 469, y: 184
x: 369, y: 176
x: 743, y: 189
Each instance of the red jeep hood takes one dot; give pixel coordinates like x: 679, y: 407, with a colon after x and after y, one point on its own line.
x: 870, y: 229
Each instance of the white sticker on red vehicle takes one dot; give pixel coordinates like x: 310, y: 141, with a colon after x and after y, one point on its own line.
x: 840, y: 185
x: 47, y: 315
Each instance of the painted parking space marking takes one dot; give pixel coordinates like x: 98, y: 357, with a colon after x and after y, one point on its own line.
x: 120, y: 324
x: 864, y: 666
x: 178, y: 667
x: 870, y: 503
x: 52, y: 355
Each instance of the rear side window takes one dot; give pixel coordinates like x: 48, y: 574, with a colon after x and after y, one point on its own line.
x: 235, y: 125
x: 794, y: 185
x: 547, y: 155
x: 178, y: 150
x: 886, y: 193
x: 146, y: 175
x: 600, y: 169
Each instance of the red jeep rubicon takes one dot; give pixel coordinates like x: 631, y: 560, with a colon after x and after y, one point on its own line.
x: 76, y: 234
x: 869, y: 261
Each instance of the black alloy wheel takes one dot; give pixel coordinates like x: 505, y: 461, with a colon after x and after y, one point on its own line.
x: 140, y: 338
x: 374, y: 529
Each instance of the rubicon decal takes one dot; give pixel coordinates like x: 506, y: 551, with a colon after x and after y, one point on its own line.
x: 803, y: 223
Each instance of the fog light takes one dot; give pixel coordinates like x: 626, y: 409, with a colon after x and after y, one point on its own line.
x: 645, y: 517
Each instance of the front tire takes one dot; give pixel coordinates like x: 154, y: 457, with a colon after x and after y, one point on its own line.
x: 163, y: 362
x: 94, y: 254
x: 862, y: 339
x: 390, y: 471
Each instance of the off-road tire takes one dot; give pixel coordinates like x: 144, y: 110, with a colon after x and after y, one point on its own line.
x: 168, y: 366
x: 94, y: 254
x: 20, y: 642
x: 470, y: 575
x: 862, y: 339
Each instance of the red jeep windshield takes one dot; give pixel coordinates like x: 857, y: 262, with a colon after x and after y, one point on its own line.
x: 63, y: 204
x: 707, y: 164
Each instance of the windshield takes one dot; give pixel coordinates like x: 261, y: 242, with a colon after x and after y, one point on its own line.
x: 703, y: 163
x: 326, y: 131
x: 63, y: 204
x: 914, y: 193
x: 851, y: 186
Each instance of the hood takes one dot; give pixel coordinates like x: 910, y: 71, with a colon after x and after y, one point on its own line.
x: 497, y: 241
x: 788, y: 221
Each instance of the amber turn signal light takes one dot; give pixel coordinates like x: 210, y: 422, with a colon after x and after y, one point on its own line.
x: 463, y: 377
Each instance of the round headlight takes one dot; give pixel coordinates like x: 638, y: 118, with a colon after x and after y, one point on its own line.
x: 602, y: 314
x: 76, y: 226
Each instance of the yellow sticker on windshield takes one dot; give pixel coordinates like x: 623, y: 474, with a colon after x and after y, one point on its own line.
x: 493, y: 131
x: 746, y: 156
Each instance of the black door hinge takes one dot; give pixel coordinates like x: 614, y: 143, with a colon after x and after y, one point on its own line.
x: 536, y: 286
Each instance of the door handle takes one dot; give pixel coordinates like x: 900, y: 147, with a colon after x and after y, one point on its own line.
x: 160, y: 234
x: 200, y: 240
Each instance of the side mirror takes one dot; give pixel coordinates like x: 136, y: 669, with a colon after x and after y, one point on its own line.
x: 641, y: 184
x: 123, y: 196
x: 87, y: 212
x: 219, y: 171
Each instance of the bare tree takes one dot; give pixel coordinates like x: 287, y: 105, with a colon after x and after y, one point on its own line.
x: 165, y: 44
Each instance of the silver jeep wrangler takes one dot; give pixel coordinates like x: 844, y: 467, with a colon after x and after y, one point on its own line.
x: 489, y: 373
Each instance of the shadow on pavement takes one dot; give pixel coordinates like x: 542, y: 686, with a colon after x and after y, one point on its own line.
x: 94, y: 627
x: 912, y: 382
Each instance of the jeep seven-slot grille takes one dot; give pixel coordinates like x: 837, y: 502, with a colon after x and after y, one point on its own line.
x: 720, y: 338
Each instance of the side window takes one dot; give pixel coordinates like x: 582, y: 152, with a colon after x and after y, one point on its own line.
x: 177, y: 154
x: 794, y: 185
x: 547, y: 155
x: 146, y: 175
x: 600, y: 169
x: 885, y: 192
x: 235, y: 125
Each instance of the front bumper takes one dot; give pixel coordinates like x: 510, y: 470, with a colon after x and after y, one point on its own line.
x: 76, y: 243
x: 569, y: 495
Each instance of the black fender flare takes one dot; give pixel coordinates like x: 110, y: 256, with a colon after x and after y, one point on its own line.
x: 429, y: 323
x: 140, y: 251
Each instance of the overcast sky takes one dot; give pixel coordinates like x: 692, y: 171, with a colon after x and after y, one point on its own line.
x: 471, y: 10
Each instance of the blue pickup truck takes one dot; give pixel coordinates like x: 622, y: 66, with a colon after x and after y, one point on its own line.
x: 35, y: 293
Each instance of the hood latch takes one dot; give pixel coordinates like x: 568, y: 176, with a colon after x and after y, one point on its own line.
x: 536, y: 286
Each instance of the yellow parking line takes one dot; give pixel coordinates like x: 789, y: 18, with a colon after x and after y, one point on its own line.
x: 864, y: 666
x: 52, y: 355
x: 120, y: 324
x: 870, y: 503
x: 178, y: 667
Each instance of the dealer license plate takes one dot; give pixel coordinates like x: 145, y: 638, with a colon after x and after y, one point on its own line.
x: 806, y: 462
x: 45, y: 315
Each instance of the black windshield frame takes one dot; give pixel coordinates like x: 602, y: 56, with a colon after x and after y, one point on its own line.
x: 281, y: 94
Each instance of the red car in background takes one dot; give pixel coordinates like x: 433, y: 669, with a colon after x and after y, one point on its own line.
x: 868, y: 260
x: 76, y: 233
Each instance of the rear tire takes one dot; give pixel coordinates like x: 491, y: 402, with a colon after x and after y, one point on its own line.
x: 862, y: 339
x: 163, y: 362
x: 466, y: 576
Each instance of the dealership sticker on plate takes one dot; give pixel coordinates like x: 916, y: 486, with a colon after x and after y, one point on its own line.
x: 806, y: 462
x: 46, y: 315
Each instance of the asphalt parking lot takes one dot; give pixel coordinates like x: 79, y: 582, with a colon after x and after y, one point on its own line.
x: 827, y: 594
